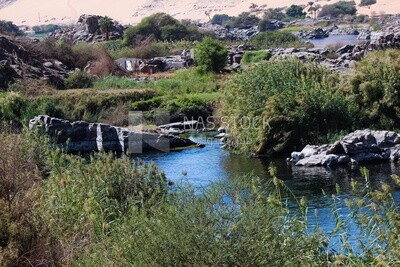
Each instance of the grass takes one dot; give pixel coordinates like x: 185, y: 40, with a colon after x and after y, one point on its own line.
x: 104, y: 211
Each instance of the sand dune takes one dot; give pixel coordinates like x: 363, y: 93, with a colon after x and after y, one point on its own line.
x: 34, y: 12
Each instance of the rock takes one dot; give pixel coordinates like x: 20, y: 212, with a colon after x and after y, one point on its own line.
x: 84, y: 137
x: 359, y: 146
x: 20, y: 63
x: 88, y: 29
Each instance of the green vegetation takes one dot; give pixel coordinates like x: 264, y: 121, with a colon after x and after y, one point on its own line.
x: 211, y: 55
x: 9, y: 28
x: 250, y: 57
x: 288, y: 103
x: 46, y: 28
x: 221, y: 19
x: 115, y: 82
x: 367, y: 2
x: 65, y: 210
x: 78, y: 79
x: 338, y: 9
x: 295, y: 11
x: 276, y: 39
x: 106, y: 23
x: 376, y: 86
x: 159, y: 27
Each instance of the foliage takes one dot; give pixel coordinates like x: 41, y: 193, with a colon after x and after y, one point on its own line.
x: 78, y: 79
x: 211, y: 55
x: 115, y: 82
x: 221, y: 19
x: 24, y: 237
x: 295, y: 11
x: 222, y: 226
x: 284, y: 104
x: 14, y: 108
x: 338, y: 9
x: 244, y: 20
x: 376, y: 86
x: 367, y: 2
x: 84, y: 200
x: 250, y: 57
x: 273, y: 13
x: 45, y: 28
x: 275, y: 39
x: 9, y: 28
x: 159, y: 26
x: 106, y: 24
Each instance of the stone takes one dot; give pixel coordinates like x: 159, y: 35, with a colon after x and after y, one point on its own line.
x: 84, y: 137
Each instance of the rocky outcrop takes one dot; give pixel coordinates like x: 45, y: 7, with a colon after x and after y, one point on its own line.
x: 356, y: 147
x: 17, y: 63
x: 88, y: 29
x: 84, y: 137
x: 317, y: 33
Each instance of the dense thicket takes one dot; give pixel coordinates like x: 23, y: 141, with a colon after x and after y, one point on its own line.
x: 161, y: 27
x: 338, y: 9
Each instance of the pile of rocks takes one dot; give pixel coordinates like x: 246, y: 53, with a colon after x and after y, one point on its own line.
x: 88, y: 29
x: 17, y: 63
x: 317, y: 33
x: 84, y: 137
x: 359, y: 146
x: 223, y: 33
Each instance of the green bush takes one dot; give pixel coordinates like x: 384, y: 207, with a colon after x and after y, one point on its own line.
x: 46, y: 28
x: 338, y: 9
x: 78, y: 79
x: 221, y: 19
x: 211, y: 55
x: 376, y: 85
x: 160, y: 27
x: 283, y: 105
x: 7, y: 27
x: 295, y: 11
x: 250, y: 57
x: 367, y: 2
x: 14, y: 108
x: 276, y: 39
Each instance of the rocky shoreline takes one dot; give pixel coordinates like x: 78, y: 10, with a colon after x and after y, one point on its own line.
x: 360, y: 146
x: 84, y: 137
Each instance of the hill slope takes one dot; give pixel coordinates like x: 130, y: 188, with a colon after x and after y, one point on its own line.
x: 34, y: 12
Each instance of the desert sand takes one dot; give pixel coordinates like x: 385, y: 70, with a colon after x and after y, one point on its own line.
x: 35, y: 12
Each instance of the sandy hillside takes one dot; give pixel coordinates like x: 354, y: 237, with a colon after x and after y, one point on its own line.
x: 34, y: 12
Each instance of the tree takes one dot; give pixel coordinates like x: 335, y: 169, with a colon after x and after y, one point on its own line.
x: 159, y: 26
x: 295, y: 11
x: 106, y: 24
x: 244, y: 20
x: 273, y: 13
x: 338, y: 9
x: 7, y: 27
x: 221, y: 19
x: 211, y: 55
x: 367, y: 2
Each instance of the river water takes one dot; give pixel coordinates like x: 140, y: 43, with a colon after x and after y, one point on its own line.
x: 335, y: 41
x: 202, y: 166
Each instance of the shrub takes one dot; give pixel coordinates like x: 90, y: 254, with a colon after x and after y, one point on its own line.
x: 367, y: 2
x: 46, y: 28
x: 376, y: 86
x: 273, y: 13
x: 284, y: 104
x: 221, y: 19
x: 7, y: 27
x: 295, y: 11
x: 78, y: 79
x: 14, y: 108
x: 84, y: 200
x: 115, y: 82
x: 211, y: 55
x: 244, y: 20
x: 255, y: 56
x: 159, y: 26
x: 338, y: 9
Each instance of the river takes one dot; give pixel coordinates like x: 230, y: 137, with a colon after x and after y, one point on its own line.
x: 202, y: 166
x: 335, y: 41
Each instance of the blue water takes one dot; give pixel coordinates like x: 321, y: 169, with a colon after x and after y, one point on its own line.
x: 202, y: 166
x: 335, y: 40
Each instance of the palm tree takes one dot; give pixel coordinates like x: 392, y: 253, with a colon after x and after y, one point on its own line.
x: 106, y: 24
